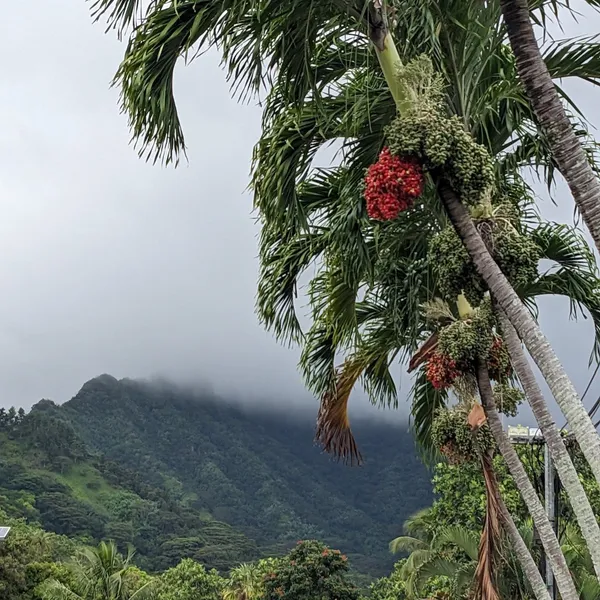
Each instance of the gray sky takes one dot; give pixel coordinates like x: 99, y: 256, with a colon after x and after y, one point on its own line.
x: 112, y: 265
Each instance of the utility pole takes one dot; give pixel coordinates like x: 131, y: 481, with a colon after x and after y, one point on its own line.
x: 527, y: 435
x: 551, y: 505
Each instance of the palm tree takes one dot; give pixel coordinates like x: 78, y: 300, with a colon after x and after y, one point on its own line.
x: 247, y: 34
x: 571, y: 158
x: 98, y: 574
x: 245, y: 582
x: 452, y: 552
x: 288, y: 39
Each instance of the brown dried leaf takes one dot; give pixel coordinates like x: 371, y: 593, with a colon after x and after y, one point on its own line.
x: 333, y: 425
x: 485, y: 585
x: 423, y: 353
x: 476, y: 417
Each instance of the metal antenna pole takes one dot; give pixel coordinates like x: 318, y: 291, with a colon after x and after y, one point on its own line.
x: 549, y: 495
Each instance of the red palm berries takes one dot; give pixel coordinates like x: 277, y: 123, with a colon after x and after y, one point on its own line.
x: 441, y: 371
x: 391, y: 185
x: 499, y: 361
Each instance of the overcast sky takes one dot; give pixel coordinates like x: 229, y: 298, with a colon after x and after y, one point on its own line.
x: 112, y: 265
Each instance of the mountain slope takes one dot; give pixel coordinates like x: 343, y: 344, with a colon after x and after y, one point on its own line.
x: 48, y: 476
x: 257, y: 471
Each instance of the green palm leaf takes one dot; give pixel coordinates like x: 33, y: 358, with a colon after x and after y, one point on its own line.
x: 407, y: 544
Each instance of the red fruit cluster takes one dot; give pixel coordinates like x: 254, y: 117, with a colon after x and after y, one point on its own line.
x: 498, y: 362
x: 442, y: 371
x: 391, y: 185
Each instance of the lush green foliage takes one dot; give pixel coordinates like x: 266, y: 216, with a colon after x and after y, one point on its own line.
x: 50, y: 477
x: 311, y: 571
x: 29, y: 556
x: 190, y: 580
x: 188, y: 476
x: 441, y: 542
x: 100, y: 573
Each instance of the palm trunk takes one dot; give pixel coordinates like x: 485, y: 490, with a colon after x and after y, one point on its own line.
x: 548, y: 538
x: 529, y: 331
x: 562, y: 461
x: 530, y: 569
x: 566, y: 148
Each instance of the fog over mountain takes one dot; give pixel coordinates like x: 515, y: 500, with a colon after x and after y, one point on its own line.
x: 113, y: 265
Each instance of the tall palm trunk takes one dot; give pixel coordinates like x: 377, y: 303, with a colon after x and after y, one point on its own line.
x: 529, y: 331
x: 566, y: 148
x: 530, y: 569
x: 558, y: 451
x: 548, y: 538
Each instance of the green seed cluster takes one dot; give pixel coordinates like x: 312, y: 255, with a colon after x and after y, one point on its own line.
x: 468, y: 340
x: 442, y: 142
x: 453, y: 269
x: 452, y: 434
x: 516, y: 255
x: 508, y: 399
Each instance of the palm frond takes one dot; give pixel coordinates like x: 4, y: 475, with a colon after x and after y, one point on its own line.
x: 407, y: 544
x: 437, y: 566
x: 426, y: 400
x: 460, y: 537
x: 283, y: 263
x: 54, y: 590
x: 575, y: 275
x: 122, y: 14
x: 146, y: 73
x: 257, y: 39
x: 333, y: 424
x: 578, y: 57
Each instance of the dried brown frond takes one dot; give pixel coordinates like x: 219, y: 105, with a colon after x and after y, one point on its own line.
x: 423, y: 353
x: 333, y: 425
x: 485, y: 586
x: 476, y: 417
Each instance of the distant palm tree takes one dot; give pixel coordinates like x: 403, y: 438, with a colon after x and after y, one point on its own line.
x: 451, y: 552
x: 245, y: 583
x: 98, y: 574
x: 580, y: 563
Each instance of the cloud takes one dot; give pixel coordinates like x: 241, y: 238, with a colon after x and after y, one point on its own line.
x: 113, y: 265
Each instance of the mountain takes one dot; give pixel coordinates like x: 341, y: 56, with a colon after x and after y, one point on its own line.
x: 231, y: 483
x: 49, y: 477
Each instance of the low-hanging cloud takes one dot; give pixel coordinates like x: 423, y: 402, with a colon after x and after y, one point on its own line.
x: 110, y: 264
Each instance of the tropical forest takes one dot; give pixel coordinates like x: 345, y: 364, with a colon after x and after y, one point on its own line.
x: 418, y: 250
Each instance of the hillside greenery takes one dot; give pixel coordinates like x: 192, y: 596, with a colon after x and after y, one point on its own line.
x: 440, y: 541
x: 181, y: 475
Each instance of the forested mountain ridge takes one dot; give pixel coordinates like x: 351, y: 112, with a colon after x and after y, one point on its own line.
x: 254, y: 478
x: 48, y: 476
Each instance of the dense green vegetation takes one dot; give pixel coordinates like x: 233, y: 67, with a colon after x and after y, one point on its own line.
x: 181, y: 476
x: 439, y: 544
x: 49, y: 477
